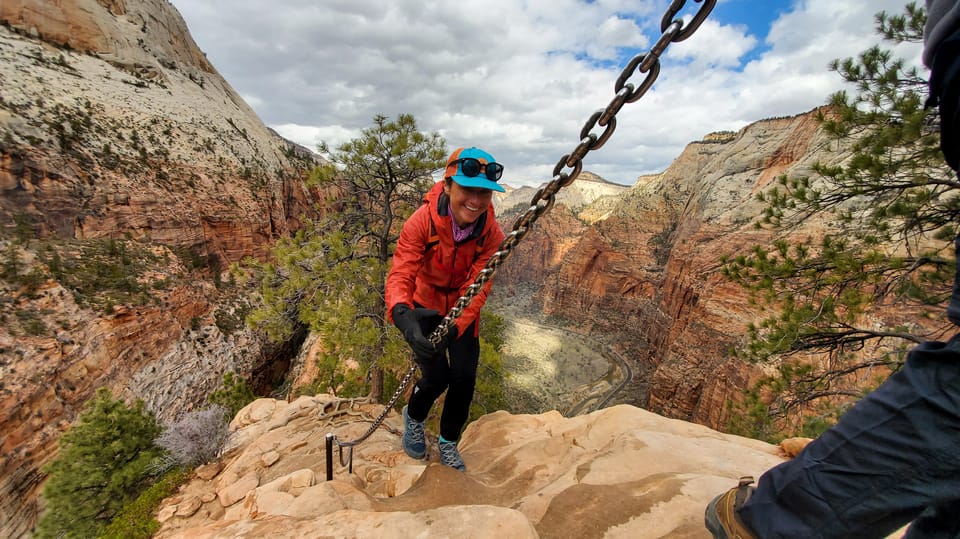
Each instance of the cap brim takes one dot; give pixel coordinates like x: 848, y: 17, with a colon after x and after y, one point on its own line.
x: 478, y: 181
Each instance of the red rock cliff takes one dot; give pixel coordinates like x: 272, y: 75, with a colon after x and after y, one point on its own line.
x: 646, y: 276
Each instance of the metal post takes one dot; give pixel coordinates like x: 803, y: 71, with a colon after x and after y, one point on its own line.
x: 329, y: 456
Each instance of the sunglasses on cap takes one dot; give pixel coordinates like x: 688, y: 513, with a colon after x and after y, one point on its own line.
x: 471, y: 167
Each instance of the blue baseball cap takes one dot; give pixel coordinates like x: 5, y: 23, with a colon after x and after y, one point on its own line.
x: 483, y: 176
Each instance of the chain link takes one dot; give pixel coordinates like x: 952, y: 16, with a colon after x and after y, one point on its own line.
x: 648, y: 63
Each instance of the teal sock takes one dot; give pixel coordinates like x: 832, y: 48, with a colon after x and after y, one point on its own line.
x: 445, y: 441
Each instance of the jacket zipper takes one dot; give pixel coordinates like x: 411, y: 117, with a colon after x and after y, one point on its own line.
x: 453, y: 269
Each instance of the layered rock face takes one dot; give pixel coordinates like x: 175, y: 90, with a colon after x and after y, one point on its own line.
x: 135, y: 33
x: 130, y: 131
x: 645, y: 273
x: 539, y: 254
x: 113, y: 126
x: 618, y: 472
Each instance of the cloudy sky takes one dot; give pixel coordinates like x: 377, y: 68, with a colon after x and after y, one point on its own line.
x: 519, y: 78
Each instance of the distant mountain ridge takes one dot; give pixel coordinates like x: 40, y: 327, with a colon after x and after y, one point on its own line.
x: 589, y: 195
x: 645, y: 277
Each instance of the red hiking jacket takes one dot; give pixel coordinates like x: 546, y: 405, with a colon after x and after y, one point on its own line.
x: 429, y: 269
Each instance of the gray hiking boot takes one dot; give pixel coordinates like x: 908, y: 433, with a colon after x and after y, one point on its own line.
x: 721, y: 516
x: 449, y: 456
x: 414, y: 441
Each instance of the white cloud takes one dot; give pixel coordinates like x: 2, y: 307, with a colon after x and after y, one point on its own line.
x: 520, y: 79
x: 613, y: 33
x: 718, y: 46
x: 310, y: 136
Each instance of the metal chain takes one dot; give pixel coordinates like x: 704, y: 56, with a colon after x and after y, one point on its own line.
x: 673, y: 31
x: 649, y: 62
x: 379, y: 420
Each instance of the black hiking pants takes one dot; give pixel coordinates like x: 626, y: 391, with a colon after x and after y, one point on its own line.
x: 892, y: 459
x: 455, y: 372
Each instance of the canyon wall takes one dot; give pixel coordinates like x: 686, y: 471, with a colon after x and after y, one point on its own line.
x: 645, y: 274
x: 116, y: 134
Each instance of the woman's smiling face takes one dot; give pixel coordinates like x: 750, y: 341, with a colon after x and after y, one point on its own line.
x: 467, y: 203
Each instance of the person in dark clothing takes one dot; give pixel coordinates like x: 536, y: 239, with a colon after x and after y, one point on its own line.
x: 442, y: 248
x: 894, y: 458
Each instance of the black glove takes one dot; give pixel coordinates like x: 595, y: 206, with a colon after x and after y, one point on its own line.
x: 407, y: 321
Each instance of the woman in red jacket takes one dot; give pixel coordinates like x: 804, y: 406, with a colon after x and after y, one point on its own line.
x: 442, y: 247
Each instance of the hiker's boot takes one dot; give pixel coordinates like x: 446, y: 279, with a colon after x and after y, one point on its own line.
x: 414, y: 441
x: 449, y: 456
x: 721, y: 515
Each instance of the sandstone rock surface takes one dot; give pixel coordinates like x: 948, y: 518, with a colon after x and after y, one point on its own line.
x: 617, y: 472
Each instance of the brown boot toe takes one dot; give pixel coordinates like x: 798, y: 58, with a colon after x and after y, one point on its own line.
x: 721, y: 516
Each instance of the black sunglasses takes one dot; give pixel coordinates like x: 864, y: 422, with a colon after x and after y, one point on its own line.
x: 471, y: 167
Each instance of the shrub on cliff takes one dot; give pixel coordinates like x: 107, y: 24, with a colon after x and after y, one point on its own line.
x: 489, y: 395
x: 103, y: 464
x: 137, y: 519
x: 233, y: 395
x: 196, y: 438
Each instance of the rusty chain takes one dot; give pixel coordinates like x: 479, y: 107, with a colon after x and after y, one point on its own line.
x: 673, y: 30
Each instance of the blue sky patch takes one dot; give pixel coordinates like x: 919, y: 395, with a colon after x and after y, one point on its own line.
x: 757, y: 15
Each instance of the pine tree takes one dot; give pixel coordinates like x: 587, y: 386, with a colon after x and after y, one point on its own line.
x: 330, y: 275
x: 890, y: 211
x: 10, y: 267
x: 102, y: 465
x: 233, y: 395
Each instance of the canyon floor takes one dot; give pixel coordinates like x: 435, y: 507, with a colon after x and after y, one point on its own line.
x: 550, y: 368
